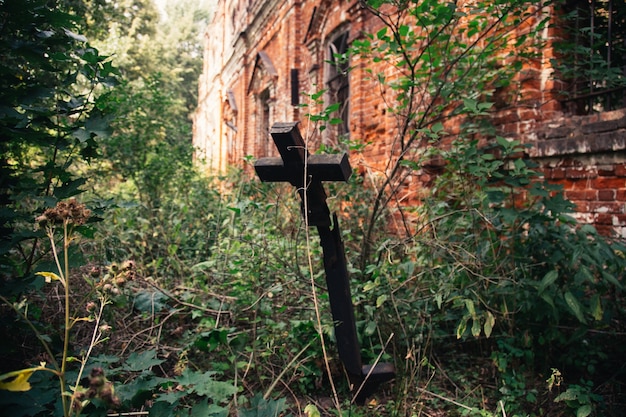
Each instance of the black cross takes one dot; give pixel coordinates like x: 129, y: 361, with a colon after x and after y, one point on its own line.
x: 306, y: 172
x: 290, y: 167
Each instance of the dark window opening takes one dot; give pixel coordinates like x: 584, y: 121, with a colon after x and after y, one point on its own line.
x: 593, y: 55
x: 264, y: 122
x: 338, y: 82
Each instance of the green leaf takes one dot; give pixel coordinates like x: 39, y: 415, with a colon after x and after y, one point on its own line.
x: 568, y: 395
x: 332, y: 108
x: 162, y: 409
x: 260, y: 407
x: 217, y: 391
x: 437, y: 128
x: 204, y: 409
x: 548, y: 279
x: 575, y: 306
x: 381, y: 300
x: 470, y: 104
x: 460, y: 330
x: 141, y: 361
x: 150, y: 301
x: 490, y: 321
x: 584, y: 410
x: 476, y: 328
x: 548, y: 299
x: 469, y: 305
x: 311, y: 411
x: 596, y: 307
x: 172, y: 397
x: 204, y: 384
x: 612, y: 279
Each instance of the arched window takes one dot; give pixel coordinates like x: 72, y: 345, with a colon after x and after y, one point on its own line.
x: 338, y: 82
x: 263, y: 133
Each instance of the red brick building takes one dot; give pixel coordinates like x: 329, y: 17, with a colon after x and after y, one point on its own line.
x: 262, y: 59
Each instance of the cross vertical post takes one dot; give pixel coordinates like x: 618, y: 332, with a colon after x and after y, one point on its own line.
x: 306, y: 172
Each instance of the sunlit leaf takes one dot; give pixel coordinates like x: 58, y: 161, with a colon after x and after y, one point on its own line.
x: 311, y: 411
x: 476, y: 328
x: 50, y: 276
x: 19, y: 381
x: 490, y: 321
x: 381, y: 300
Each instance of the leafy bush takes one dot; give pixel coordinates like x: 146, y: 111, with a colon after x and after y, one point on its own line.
x: 52, y: 88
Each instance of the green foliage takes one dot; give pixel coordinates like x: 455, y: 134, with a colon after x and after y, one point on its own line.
x: 260, y: 407
x: 442, y: 55
x: 579, y: 398
x: 491, y: 254
x: 486, y: 283
x: 146, y: 40
x: 150, y: 143
x: 52, y: 83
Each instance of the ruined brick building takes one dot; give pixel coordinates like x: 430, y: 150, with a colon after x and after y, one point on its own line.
x: 263, y: 56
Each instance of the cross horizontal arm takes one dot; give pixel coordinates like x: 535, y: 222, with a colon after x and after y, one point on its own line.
x: 334, y: 167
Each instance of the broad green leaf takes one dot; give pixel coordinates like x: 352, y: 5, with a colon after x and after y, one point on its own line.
x: 476, y: 328
x: 548, y: 279
x: 547, y: 298
x: 260, y: 407
x: 333, y: 108
x: 142, y: 361
x: 204, y: 409
x: 172, y: 397
x: 596, y: 307
x: 381, y: 300
x: 162, y: 409
x: 584, y: 410
x: 490, y: 321
x: 610, y: 278
x: 575, y: 306
x: 150, y: 301
x: 437, y: 128
x: 469, y: 304
x: 311, y: 411
x: 460, y: 330
x: 568, y: 395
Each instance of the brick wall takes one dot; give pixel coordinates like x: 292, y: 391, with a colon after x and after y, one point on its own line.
x: 252, y: 48
x: 587, y: 156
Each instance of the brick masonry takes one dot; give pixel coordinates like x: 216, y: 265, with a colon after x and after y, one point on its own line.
x: 586, y: 155
x: 257, y: 52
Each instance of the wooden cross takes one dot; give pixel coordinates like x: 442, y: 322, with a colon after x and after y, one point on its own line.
x: 306, y: 172
x: 292, y: 165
